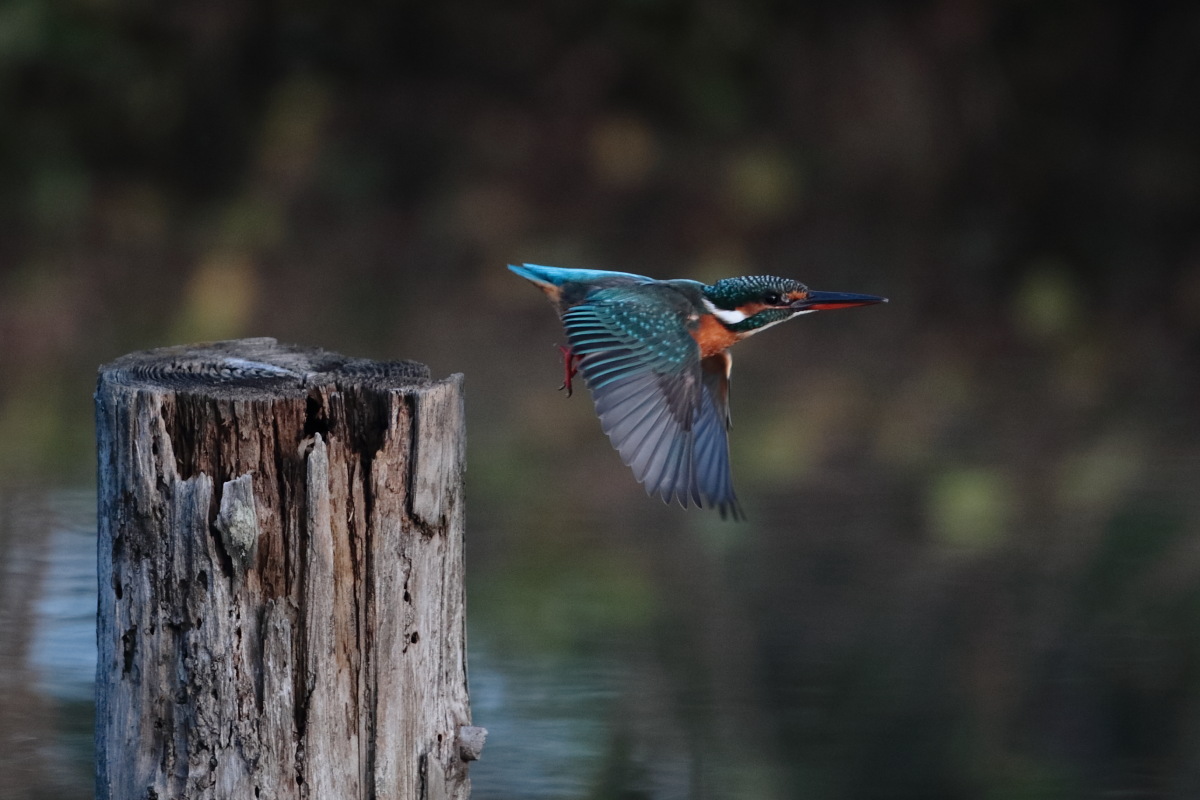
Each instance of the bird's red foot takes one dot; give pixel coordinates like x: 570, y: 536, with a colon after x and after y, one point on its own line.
x: 570, y: 368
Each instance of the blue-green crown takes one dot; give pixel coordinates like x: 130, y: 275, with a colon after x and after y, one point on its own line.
x: 730, y: 293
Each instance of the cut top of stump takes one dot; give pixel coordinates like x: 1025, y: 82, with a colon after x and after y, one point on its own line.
x: 248, y: 369
x: 229, y: 408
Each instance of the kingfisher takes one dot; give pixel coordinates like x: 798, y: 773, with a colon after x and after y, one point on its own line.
x: 655, y: 355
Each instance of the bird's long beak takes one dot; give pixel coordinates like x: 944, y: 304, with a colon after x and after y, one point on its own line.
x: 821, y: 301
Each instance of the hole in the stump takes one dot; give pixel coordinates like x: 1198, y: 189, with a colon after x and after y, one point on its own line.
x: 128, y: 647
x: 315, y: 418
x: 416, y: 637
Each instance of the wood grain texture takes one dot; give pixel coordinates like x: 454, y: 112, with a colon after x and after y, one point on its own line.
x: 281, y: 577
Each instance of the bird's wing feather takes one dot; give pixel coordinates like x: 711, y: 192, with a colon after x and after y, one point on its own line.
x: 663, y: 411
x: 712, y: 434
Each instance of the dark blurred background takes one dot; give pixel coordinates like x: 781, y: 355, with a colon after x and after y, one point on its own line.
x: 971, y: 568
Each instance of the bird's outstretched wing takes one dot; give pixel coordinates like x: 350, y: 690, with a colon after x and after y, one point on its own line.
x: 664, y: 410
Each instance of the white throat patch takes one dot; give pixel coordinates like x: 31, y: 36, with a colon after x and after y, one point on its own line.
x: 728, y: 317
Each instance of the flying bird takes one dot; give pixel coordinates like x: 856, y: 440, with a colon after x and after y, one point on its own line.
x: 655, y: 355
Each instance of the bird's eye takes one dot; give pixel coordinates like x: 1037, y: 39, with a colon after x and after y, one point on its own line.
x: 772, y: 298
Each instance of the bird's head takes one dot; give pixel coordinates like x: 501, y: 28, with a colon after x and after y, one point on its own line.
x: 748, y: 304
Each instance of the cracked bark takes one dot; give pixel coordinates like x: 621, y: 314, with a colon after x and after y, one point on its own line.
x: 281, y: 578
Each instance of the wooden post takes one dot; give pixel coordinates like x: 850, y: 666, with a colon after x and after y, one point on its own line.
x: 281, y: 577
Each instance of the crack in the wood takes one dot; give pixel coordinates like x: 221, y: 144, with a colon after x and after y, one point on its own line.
x: 285, y: 478
x: 128, y: 648
x: 302, y: 704
x: 170, y: 426
x: 368, y: 677
x: 358, y: 541
x: 316, y: 415
x: 301, y: 756
x: 224, y: 557
x: 410, y: 405
x: 427, y: 529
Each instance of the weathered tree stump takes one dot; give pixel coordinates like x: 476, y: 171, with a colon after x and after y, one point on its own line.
x: 281, y: 577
